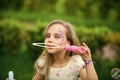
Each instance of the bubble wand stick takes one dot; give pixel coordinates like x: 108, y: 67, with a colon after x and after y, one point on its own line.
x: 67, y: 48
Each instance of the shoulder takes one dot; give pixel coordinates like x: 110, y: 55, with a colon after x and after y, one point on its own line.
x: 41, y: 61
x: 77, y: 60
x: 76, y: 64
x: 76, y: 57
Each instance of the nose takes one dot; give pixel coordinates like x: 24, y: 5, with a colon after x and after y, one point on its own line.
x: 51, y: 39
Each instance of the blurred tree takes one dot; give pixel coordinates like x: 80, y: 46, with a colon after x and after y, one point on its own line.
x: 39, y: 5
x: 60, y: 7
x: 11, y: 4
x: 71, y: 7
x: 84, y: 8
x: 104, y: 9
x: 110, y: 8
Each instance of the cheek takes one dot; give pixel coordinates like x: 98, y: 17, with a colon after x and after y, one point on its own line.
x: 62, y: 43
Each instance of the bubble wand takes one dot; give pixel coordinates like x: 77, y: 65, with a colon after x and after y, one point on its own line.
x: 67, y: 48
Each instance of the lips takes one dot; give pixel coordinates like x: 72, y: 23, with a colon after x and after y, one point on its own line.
x: 50, y: 46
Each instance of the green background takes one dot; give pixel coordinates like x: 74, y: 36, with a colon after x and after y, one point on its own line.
x: 22, y: 22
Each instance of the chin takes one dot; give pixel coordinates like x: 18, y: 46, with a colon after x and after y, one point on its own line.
x: 51, y: 51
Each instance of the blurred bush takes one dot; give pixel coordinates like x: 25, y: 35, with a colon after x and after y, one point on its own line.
x: 16, y: 50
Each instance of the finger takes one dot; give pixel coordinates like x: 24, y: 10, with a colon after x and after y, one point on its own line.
x: 84, y: 45
x: 79, y: 51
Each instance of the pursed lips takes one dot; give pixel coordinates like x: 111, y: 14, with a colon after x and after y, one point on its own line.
x: 50, y: 46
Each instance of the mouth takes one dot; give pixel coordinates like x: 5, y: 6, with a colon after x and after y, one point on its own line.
x: 51, y: 45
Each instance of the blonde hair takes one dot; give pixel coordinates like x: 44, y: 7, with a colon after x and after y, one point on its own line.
x: 71, y: 37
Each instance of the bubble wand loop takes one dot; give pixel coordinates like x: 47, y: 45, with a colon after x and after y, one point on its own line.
x: 46, y: 45
x: 67, y: 48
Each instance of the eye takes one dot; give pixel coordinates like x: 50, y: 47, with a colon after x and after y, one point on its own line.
x: 47, y: 35
x: 58, y: 36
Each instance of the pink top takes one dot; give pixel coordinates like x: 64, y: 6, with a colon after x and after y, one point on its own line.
x: 68, y: 72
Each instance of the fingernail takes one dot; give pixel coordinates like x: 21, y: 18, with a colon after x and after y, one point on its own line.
x: 83, y: 43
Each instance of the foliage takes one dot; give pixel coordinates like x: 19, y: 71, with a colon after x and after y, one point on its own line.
x: 16, y: 48
x: 88, y: 9
x: 12, y: 4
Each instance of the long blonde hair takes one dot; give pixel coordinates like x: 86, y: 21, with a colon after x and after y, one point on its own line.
x: 71, y: 37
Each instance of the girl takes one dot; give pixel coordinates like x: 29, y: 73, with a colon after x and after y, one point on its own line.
x: 60, y: 64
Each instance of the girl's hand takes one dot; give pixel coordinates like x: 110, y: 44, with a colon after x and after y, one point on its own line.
x: 85, y: 56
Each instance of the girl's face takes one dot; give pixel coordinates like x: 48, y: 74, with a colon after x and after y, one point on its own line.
x: 56, y: 35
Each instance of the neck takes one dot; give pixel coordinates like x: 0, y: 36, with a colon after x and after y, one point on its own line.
x: 60, y: 58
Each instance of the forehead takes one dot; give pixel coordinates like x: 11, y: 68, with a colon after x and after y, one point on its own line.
x: 56, y: 28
